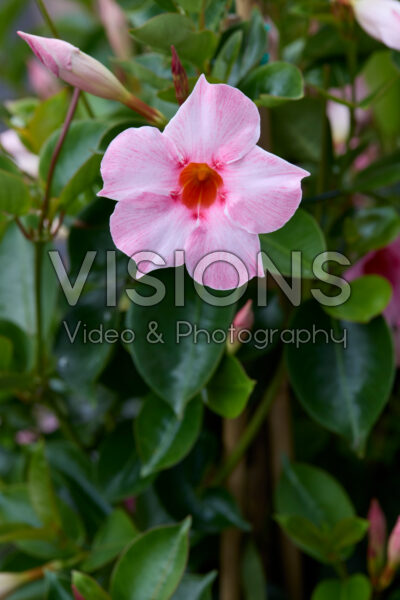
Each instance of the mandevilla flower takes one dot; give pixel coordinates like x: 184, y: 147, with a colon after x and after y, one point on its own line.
x: 117, y: 29
x: 43, y: 82
x: 376, y: 540
x: 244, y: 319
x: 393, y: 557
x: 26, y: 161
x: 380, y: 19
x: 202, y: 186
x: 86, y: 73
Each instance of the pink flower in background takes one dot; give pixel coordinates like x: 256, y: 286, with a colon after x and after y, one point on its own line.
x: 243, y: 321
x: 117, y: 28
x: 380, y: 19
x: 42, y: 81
x: 376, y: 539
x: 202, y: 186
x: 25, y: 160
x: 386, y: 263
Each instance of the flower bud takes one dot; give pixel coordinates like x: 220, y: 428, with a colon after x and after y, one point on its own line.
x: 77, y: 595
x: 180, y: 77
x: 9, y: 582
x: 244, y: 319
x: 116, y: 26
x: 393, y: 557
x: 376, y: 540
x: 380, y: 19
x: 86, y: 73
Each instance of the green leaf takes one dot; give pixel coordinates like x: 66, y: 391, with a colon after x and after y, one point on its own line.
x: 14, y: 194
x: 273, y: 84
x: 382, y: 173
x: 81, y: 181
x: 311, y: 493
x: 48, y: 116
x: 303, y: 234
x: 176, y: 368
x: 41, y: 491
x: 370, y: 295
x: 348, y: 532
x: 17, y: 297
x: 162, y: 438
x: 6, y: 353
x: 192, y: 6
x: 346, y: 388
x: 56, y: 588
x: 113, y: 536
x: 88, y: 587
x: 229, y: 390
x: 80, y: 145
x: 21, y: 347
x: 227, y: 56
x: 153, y: 565
x: 167, y: 5
x: 89, y: 318
x: 307, y: 537
x: 372, y: 228
x: 168, y: 29
x: 253, y: 47
x: 356, y: 587
x: 253, y: 576
x: 380, y: 71
x: 195, y: 587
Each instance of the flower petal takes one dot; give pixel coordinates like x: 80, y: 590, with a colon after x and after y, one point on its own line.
x: 217, y: 123
x: 229, y: 254
x: 262, y: 191
x: 139, y: 160
x: 154, y: 224
x: 380, y: 19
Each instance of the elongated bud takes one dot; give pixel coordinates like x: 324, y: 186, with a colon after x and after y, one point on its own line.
x: 381, y: 20
x: 376, y: 540
x: 244, y: 320
x: 9, y: 582
x: 117, y: 29
x: 86, y: 73
x: 393, y: 557
x: 180, y: 77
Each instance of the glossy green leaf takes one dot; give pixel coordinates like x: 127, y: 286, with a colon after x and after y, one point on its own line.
x: 80, y: 145
x: 370, y: 295
x: 85, y: 176
x: 153, y: 565
x: 21, y: 346
x: 57, y: 588
x: 113, y: 536
x: 41, y: 491
x: 382, y: 173
x: 356, y: 587
x: 273, y: 84
x: 303, y: 234
x: 176, y: 367
x: 350, y: 370
x: 226, y: 57
x: 162, y: 438
x: 88, y: 587
x: 229, y: 390
x: 14, y: 194
x: 253, y: 576
x: 372, y: 228
x: 253, y: 47
x: 48, y: 116
x: 167, y: 5
x: 195, y: 587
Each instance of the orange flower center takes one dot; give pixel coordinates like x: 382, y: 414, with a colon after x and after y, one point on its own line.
x: 200, y: 185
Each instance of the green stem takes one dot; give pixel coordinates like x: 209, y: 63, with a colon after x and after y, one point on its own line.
x: 352, y: 66
x: 252, y: 428
x: 202, y: 16
x: 40, y: 361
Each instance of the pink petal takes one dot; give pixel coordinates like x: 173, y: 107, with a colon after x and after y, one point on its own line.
x: 139, y: 160
x: 262, y: 191
x: 380, y: 19
x: 234, y: 261
x: 217, y: 123
x: 154, y: 224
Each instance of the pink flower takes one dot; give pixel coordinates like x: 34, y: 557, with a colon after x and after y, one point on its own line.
x: 86, y: 73
x: 117, y: 29
x: 43, y: 82
x: 380, y: 19
x: 25, y: 160
x: 243, y: 320
x: 386, y: 263
x: 77, y: 594
x: 202, y: 186
x: 393, y: 558
x: 376, y: 539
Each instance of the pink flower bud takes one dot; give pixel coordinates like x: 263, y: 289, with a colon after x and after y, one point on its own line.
x: 117, y: 28
x: 43, y: 83
x: 9, y: 582
x: 180, y: 77
x: 394, y: 546
x: 376, y: 539
x: 244, y: 320
x: 380, y: 19
x: 25, y: 160
x: 86, y: 73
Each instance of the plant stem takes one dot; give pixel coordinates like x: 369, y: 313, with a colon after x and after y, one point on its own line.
x: 40, y: 363
x: 252, y: 428
x: 341, y: 570
x: 54, y: 158
x: 202, y: 16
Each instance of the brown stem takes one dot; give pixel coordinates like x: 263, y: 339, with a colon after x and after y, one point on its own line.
x: 21, y: 227
x: 54, y: 158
